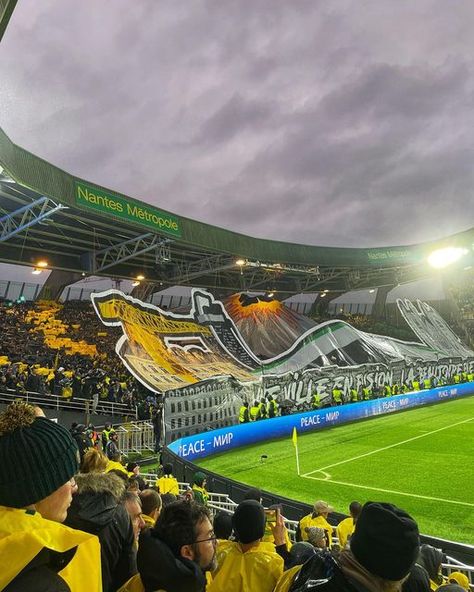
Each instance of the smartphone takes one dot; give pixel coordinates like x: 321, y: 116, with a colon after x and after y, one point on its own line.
x: 271, y: 515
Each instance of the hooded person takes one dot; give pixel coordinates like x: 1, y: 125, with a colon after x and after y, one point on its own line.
x: 248, y: 565
x: 417, y: 581
x: 96, y: 508
x: 176, y: 554
x: 431, y: 559
x: 200, y: 493
x: 38, y: 461
x: 384, y: 548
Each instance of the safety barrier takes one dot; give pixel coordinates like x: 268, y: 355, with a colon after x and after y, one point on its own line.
x: 137, y: 436
x: 217, y: 441
x: 221, y: 502
x: 60, y: 403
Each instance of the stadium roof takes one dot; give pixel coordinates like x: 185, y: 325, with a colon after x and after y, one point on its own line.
x: 82, y: 227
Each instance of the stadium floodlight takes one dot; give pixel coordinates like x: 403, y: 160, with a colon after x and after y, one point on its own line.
x: 42, y: 263
x: 443, y: 257
x: 140, y: 277
x: 271, y: 294
x: 240, y: 262
x: 371, y: 291
x: 135, y: 283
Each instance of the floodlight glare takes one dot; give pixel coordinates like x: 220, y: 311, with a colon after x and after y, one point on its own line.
x: 444, y: 257
x: 136, y: 283
x: 140, y: 277
x: 240, y: 262
x: 42, y: 263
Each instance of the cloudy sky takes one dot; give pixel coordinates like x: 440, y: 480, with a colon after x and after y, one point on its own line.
x: 347, y: 123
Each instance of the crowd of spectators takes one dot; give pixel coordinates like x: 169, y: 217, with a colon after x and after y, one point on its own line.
x: 31, y: 361
x: 98, y: 526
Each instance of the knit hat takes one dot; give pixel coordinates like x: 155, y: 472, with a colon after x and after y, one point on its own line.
x: 199, y: 478
x: 249, y: 521
x: 385, y: 541
x: 315, y: 534
x: 37, y: 456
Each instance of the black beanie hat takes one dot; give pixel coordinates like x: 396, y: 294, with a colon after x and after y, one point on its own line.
x: 249, y: 521
x: 37, y: 456
x: 385, y: 541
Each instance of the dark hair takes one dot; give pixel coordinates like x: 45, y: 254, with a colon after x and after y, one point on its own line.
x: 168, y: 498
x: 131, y: 466
x: 253, y: 494
x: 355, y: 509
x: 177, y: 524
x: 151, y: 501
x: 222, y: 525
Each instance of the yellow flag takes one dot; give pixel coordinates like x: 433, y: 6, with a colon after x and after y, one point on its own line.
x: 294, y: 438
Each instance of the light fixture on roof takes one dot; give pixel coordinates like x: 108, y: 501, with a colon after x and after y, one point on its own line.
x: 443, y: 257
x: 135, y: 283
x: 371, y: 291
x: 326, y: 291
x: 240, y: 262
x: 323, y: 295
x: 140, y: 277
x: 271, y: 294
x: 42, y: 263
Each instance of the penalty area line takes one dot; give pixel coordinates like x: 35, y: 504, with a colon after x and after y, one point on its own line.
x: 392, y: 491
x: 347, y: 460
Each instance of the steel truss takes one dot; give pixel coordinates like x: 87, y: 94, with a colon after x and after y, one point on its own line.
x: 33, y: 213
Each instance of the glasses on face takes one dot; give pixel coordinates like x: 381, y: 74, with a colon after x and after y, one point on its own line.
x: 212, y: 538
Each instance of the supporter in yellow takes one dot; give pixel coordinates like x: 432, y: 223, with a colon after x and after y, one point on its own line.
x: 317, y: 518
x: 457, y: 577
x: 167, y: 483
x: 114, y: 464
x: 151, y: 506
x: 346, y: 527
x: 38, y: 461
x: 199, y: 488
x: 249, y: 565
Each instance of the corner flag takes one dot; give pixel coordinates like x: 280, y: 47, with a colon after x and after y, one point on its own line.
x: 294, y: 438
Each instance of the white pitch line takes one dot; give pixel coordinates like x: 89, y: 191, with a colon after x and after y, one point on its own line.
x: 424, y: 497
x: 347, y: 460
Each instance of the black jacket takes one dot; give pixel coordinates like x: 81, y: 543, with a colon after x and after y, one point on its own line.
x: 160, y: 569
x: 96, y: 509
x: 321, y: 573
x: 41, y: 574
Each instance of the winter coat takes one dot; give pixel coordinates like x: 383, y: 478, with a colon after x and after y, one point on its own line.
x: 96, y: 508
x: 40, y: 555
x: 160, y: 570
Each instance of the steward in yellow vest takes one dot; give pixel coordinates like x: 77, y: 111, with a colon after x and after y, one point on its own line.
x: 254, y: 412
x: 337, y: 396
x: 244, y: 416
x: 316, y: 401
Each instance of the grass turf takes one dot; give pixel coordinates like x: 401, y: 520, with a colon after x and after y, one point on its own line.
x: 421, y: 460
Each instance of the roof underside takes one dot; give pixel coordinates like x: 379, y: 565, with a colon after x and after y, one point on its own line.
x: 55, y: 224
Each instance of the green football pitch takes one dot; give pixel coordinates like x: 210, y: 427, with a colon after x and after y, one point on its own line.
x: 422, y: 460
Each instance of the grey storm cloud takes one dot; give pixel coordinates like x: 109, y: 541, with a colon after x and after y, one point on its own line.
x: 341, y: 123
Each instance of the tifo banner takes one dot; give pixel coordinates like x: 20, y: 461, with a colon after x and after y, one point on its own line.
x: 206, y: 368
x: 216, y: 441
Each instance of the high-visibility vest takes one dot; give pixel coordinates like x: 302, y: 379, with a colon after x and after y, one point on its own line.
x: 354, y: 395
x: 416, y: 385
x: 244, y: 414
x: 337, y: 395
x: 254, y: 413
x: 427, y: 383
x: 367, y: 393
x: 262, y: 411
x: 387, y: 391
x: 272, y: 408
x: 316, y: 401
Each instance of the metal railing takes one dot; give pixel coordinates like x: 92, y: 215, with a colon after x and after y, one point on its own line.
x: 221, y: 502
x: 136, y: 436
x: 60, y: 403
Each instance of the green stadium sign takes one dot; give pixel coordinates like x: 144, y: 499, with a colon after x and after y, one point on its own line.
x: 102, y: 201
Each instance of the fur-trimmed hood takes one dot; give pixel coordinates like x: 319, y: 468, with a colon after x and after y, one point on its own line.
x: 99, y: 483
x: 94, y: 505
